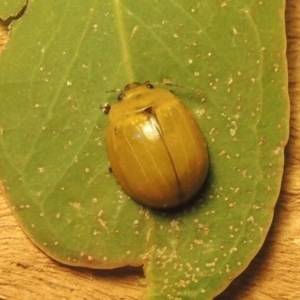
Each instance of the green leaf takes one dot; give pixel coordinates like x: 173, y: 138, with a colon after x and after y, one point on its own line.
x: 63, y: 57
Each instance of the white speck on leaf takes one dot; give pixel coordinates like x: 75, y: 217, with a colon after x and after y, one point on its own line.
x: 41, y: 169
x: 134, y: 31
x: 232, y: 250
x: 76, y: 205
x: 277, y: 151
x: 95, y: 27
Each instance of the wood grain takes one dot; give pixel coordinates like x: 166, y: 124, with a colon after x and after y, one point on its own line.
x: 27, y: 273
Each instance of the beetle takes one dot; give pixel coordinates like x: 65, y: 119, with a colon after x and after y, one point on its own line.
x: 155, y: 147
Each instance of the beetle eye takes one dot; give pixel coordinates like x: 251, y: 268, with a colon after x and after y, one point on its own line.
x: 149, y: 85
x: 121, y: 96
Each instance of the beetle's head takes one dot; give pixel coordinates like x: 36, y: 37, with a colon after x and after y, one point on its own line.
x: 134, y: 88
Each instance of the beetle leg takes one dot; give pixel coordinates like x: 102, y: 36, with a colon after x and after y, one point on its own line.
x: 105, y: 108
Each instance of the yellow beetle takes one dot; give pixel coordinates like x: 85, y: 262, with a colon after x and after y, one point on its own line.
x: 155, y: 147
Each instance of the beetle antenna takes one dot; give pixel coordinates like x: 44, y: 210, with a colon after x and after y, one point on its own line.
x: 116, y: 90
x: 169, y: 82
